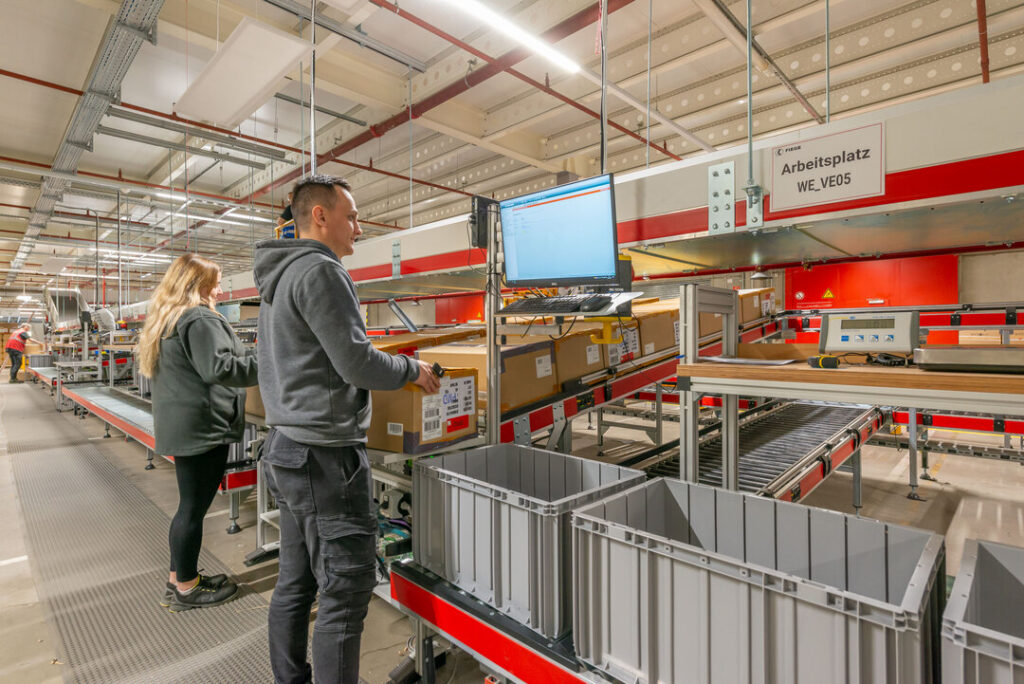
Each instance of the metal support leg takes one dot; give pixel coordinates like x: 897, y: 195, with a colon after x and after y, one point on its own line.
x: 106, y: 431
x: 689, y: 426
x: 857, y: 483
x: 149, y: 460
x: 925, y: 475
x: 424, y: 653
x: 564, y: 444
x: 233, y: 502
x: 731, y: 442
x: 590, y: 421
x: 600, y: 427
x: 659, y: 437
x: 912, y: 450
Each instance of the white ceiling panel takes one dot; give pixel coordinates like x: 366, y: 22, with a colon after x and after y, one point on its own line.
x: 249, y: 67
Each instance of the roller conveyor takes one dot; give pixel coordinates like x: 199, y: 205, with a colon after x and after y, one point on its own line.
x: 787, y: 451
x: 47, y: 375
x: 135, y: 412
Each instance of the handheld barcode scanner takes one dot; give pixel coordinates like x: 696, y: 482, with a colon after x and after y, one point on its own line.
x: 438, y: 370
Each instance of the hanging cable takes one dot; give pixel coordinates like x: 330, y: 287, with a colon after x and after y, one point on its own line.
x: 828, y: 64
x: 410, y: 148
x: 650, y: 37
x: 312, y: 88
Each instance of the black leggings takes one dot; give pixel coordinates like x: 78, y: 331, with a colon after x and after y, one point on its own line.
x: 198, y: 479
x: 15, y: 357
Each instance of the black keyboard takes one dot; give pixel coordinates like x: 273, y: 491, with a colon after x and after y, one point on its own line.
x: 552, y: 306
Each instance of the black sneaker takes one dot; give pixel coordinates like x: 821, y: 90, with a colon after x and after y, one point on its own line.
x: 203, y: 595
x: 213, y: 580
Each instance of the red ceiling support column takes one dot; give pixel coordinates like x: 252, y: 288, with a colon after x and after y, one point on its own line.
x: 983, y: 39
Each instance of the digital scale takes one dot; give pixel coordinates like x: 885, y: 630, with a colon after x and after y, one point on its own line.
x: 893, y: 332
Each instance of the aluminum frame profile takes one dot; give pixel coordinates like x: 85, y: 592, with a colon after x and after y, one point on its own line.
x: 356, y: 36
x: 178, y: 147
x: 134, y: 22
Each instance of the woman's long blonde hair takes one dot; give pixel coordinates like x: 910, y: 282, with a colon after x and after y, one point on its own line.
x: 177, y: 292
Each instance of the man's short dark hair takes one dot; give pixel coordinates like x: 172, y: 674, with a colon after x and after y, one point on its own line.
x: 311, y: 191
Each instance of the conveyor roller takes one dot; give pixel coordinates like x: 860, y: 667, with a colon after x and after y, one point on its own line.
x: 779, y: 445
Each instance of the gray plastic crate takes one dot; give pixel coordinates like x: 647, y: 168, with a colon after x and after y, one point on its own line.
x: 677, y: 582
x: 983, y: 626
x: 495, y: 522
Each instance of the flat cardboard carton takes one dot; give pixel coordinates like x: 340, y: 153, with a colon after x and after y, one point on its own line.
x: 755, y: 304
x: 254, y: 402
x: 576, y: 354
x: 527, y: 370
x: 410, y: 421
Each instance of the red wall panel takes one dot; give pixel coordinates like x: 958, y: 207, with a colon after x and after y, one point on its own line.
x: 459, y: 309
x: 914, y: 281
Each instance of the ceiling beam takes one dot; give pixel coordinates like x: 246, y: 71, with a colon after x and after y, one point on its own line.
x: 565, y: 28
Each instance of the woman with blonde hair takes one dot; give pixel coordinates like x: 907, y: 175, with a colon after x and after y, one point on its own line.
x: 199, y: 370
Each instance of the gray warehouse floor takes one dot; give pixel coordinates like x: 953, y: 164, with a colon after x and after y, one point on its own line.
x: 974, y: 497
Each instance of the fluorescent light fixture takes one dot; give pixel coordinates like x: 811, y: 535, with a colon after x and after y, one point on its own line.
x: 169, y: 195
x: 252, y: 217
x: 243, y: 74
x: 24, y: 298
x: 105, y: 233
x: 488, y: 17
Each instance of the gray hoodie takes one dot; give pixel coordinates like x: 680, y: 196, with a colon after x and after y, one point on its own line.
x: 316, y: 363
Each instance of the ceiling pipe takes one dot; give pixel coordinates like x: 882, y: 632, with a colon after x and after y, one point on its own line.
x: 408, y: 16
x: 183, y: 125
x: 983, y: 39
x: 566, y: 28
x: 108, y: 181
x: 178, y: 147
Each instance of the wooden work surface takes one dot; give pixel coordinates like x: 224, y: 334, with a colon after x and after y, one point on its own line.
x: 863, y: 376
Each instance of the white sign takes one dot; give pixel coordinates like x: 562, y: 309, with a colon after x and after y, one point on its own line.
x: 832, y: 168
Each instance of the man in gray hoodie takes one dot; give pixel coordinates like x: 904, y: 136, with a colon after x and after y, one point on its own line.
x: 316, y: 369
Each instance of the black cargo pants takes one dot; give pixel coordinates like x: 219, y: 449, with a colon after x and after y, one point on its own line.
x: 328, y: 546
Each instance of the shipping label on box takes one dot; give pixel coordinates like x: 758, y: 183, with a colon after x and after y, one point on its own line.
x: 451, y: 407
x: 626, y: 350
x: 543, y: 366
x: 593, y: 354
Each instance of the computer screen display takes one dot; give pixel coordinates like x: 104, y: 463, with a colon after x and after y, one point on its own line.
x: 561, y: 236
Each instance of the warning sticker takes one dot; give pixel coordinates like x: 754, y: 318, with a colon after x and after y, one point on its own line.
x: 593, y: 354
x: 544, y: 366
x: 455, y: 399
x: 828, y: 294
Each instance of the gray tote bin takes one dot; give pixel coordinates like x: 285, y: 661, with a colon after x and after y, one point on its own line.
x: 677, y: 582
x: 983, y: 626
x: 495, y: 522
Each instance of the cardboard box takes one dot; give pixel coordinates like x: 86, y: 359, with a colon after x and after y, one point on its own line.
x: 755, y: 304
x: 254, y: 402
x: 709, y: 324
x: 576, y: 354
x: 659, y: 327
x: 409, y: 343
x: 527, y: 371
x: 37, y: 348
x: 409, y: 421
x: 628, y: 349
